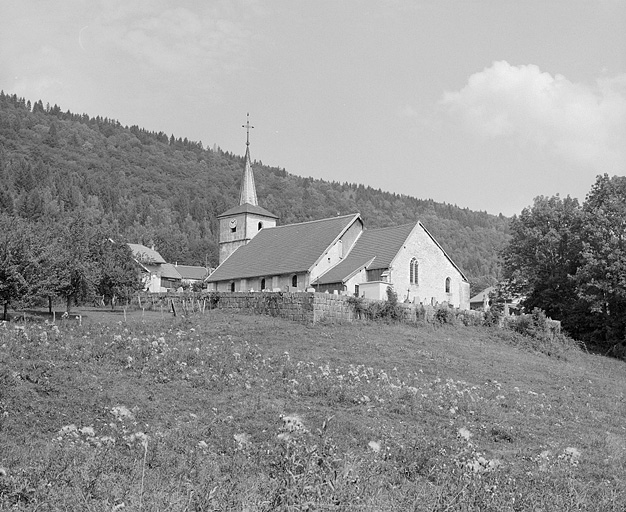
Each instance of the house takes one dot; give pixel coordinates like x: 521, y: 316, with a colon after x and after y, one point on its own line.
x: 157, y: 274
x: 482, y: 301
x: 191, y: 274
x: 335, y: 255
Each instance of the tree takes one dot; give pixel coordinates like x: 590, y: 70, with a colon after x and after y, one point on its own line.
x: 17, y: 263
x: 543, y: 256
x: 118, y: 273
x: 601, y: 277
x: 71, y: 269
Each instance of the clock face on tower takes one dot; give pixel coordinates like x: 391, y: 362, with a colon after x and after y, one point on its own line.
x: 233, y: 223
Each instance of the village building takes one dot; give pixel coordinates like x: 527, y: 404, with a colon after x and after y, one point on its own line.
x: 156, y: 273
x: 159, y: 276
x: 335, y: 255
x: 191, y: 275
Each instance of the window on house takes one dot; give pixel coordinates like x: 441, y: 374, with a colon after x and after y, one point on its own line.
x: 232, y: 286
x: 233, y: 230
x: 260, y: 226
x: 356, y: 290
x: 263, y: 284
x: 294, y: 281
x: 413, y: 272
x: 447, y: 285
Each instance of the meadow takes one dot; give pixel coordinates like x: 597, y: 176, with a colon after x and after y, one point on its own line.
x: 252, y: 413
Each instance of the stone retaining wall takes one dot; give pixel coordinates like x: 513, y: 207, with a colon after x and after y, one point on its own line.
x: 303, y: 307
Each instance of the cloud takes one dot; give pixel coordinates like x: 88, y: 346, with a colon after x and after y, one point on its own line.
x: 175, y: 39
x: 576, y: 122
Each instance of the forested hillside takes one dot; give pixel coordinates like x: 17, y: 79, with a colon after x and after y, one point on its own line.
x: 150, y: 187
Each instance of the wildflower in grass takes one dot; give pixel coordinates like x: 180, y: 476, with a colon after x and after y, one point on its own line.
x: 68, y: 429
x: 293, y: 423
x: 243, y: 440
x: 374, y: 446
x: 464, y: 433
x: 3, y: 472
x: 88, y: 431
x: 203, y: 445
x: 571, y: 455
x: 137, y: 437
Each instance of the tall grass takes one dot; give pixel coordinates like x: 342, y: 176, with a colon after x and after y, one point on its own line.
x: 223, y: 412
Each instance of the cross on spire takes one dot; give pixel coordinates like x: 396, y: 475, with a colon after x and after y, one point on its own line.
x: 247, y: 127
x: 247, y: 194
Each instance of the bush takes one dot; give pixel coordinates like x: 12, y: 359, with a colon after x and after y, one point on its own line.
x: 545, y: 335
x: 445, y: 315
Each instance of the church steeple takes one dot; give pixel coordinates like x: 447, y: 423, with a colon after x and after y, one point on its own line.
x: 247, y: 194
x: 242, y: 222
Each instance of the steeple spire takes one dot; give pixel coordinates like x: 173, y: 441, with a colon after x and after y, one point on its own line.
x: 248, y: 190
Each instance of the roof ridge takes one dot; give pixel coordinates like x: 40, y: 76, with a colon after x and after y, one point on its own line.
x: 315, y: 220
x: 393, y: 227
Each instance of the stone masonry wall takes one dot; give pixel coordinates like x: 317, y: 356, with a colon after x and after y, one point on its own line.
x: 303, y: 307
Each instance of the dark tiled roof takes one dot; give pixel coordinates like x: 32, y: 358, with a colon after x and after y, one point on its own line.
x: 380, y: 245
x: 283, y: 249
x: 248, y: 208
x: 144, y: 254
x: 192, y: 272
x: 168, y: 271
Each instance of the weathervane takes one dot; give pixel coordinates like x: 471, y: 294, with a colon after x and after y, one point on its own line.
x: 247, y: 127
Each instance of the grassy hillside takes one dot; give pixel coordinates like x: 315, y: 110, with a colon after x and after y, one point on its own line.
x: 148, y: 187
x: 222, y: 412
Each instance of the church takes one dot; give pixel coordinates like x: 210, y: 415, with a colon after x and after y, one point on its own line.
x: 335, y: 255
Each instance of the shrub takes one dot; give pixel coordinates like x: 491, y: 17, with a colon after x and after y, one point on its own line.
x: 445, y: 315
x: 358, y: 306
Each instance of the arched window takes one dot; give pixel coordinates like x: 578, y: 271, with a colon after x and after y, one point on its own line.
x: 294, y: 281
x: 262, y: 284
x: 232, y: 286
x: 447, y: 285
x: 413, y: 271
x: 260, y: 226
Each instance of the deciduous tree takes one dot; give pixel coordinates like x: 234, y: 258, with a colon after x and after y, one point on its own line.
x: 601, y: 277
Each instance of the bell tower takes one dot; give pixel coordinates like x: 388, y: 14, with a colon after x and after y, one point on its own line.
x: 241, y: 223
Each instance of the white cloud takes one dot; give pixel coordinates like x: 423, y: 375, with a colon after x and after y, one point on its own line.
x: 176, y: 39
x: 576, y: 122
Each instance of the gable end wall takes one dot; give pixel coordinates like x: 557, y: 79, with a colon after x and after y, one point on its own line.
x: 434, y: 267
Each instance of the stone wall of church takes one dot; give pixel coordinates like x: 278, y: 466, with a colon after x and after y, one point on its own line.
x: 433, y: 270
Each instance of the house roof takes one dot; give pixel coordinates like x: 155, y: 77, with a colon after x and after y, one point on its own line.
x: 375, y: 249
x: 192, y: 272
x: 247, y: 208
x: 144, y: 254
x: 168, y: 271
x: 283, y: 249
x: 480, y: 297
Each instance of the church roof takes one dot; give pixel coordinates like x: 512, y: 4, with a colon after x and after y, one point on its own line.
x: 283, y: 249
x: 375, y: 249
x: 248, y: 208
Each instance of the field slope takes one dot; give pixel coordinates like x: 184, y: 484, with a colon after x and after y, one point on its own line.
x: 233, y: 412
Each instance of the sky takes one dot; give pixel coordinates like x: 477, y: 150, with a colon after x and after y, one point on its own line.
x: 485, y: 104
